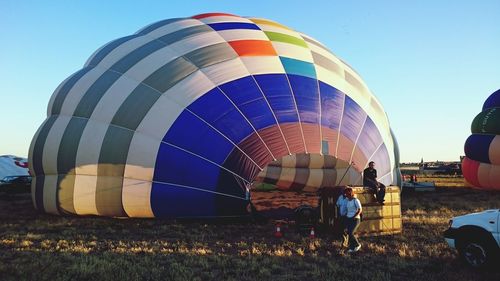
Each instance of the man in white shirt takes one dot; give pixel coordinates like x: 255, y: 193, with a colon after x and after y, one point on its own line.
x: 341, y: 216
x: 353, y: 219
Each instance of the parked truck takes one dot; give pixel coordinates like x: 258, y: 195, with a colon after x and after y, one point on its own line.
x: 476, y: 236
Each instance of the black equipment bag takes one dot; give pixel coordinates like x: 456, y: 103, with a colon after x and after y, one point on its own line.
x: 329, y: 218
x: 306, y: 217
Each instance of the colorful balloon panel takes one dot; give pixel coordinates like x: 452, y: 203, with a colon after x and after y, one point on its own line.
x: 483, y: 148
x: 481, y: 166
x: 178, y: 119
x: 493, y: 101
x: 487, y: 122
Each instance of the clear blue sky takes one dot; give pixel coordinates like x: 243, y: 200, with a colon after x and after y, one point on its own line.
x: 432, y: 64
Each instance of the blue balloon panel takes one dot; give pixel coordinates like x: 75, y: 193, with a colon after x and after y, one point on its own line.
x: 352, y: 120
x: 180, y: 167
x: 170, y: 201
x: 332, y: 105
x: 306, y: 94
x: 214, y: 145
x: 477, y: 147
x: 370, y: 138
x: 233, y: 25
x: 217, y: 110
x: 276, y: 88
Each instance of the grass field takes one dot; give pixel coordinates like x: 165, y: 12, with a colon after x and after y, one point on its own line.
x: 43, y: 247
x: 443, y: 181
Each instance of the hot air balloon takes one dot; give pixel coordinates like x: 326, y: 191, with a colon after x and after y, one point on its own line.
x: 481, y: 166
x: 178, y: 119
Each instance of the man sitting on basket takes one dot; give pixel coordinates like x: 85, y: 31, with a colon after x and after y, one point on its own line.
x: 370, y: 180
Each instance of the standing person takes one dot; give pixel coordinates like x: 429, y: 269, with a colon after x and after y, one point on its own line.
x: 342, y: 213
x: 353, y: 219
x: 370, y: 180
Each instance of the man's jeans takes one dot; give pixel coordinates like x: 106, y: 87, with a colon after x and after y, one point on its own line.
x: 351, y: 225
x: 344, y: 239
x: 379, y: 190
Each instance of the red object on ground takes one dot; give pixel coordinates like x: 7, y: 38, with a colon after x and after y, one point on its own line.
x: 312, y: 234
x: 278, y: 233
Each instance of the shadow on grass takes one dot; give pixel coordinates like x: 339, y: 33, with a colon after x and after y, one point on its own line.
x: 318, y: 265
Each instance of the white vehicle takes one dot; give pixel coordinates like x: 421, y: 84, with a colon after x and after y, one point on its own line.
x: 476, y: 236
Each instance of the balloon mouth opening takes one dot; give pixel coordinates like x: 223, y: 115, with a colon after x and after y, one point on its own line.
x: 296, y: 180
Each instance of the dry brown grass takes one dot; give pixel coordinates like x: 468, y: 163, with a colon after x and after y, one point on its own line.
x: 444, y: 180
x: 42, y: 247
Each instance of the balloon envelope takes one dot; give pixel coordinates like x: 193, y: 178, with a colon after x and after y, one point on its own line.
x: 178, y: 119
x: 481, y: 166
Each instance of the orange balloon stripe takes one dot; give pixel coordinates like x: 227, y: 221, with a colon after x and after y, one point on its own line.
x: 253, y: 48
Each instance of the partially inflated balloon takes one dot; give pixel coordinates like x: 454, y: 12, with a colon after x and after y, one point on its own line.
x: 307, y: 172
x: 481, y: 166
x: 178, y: 119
